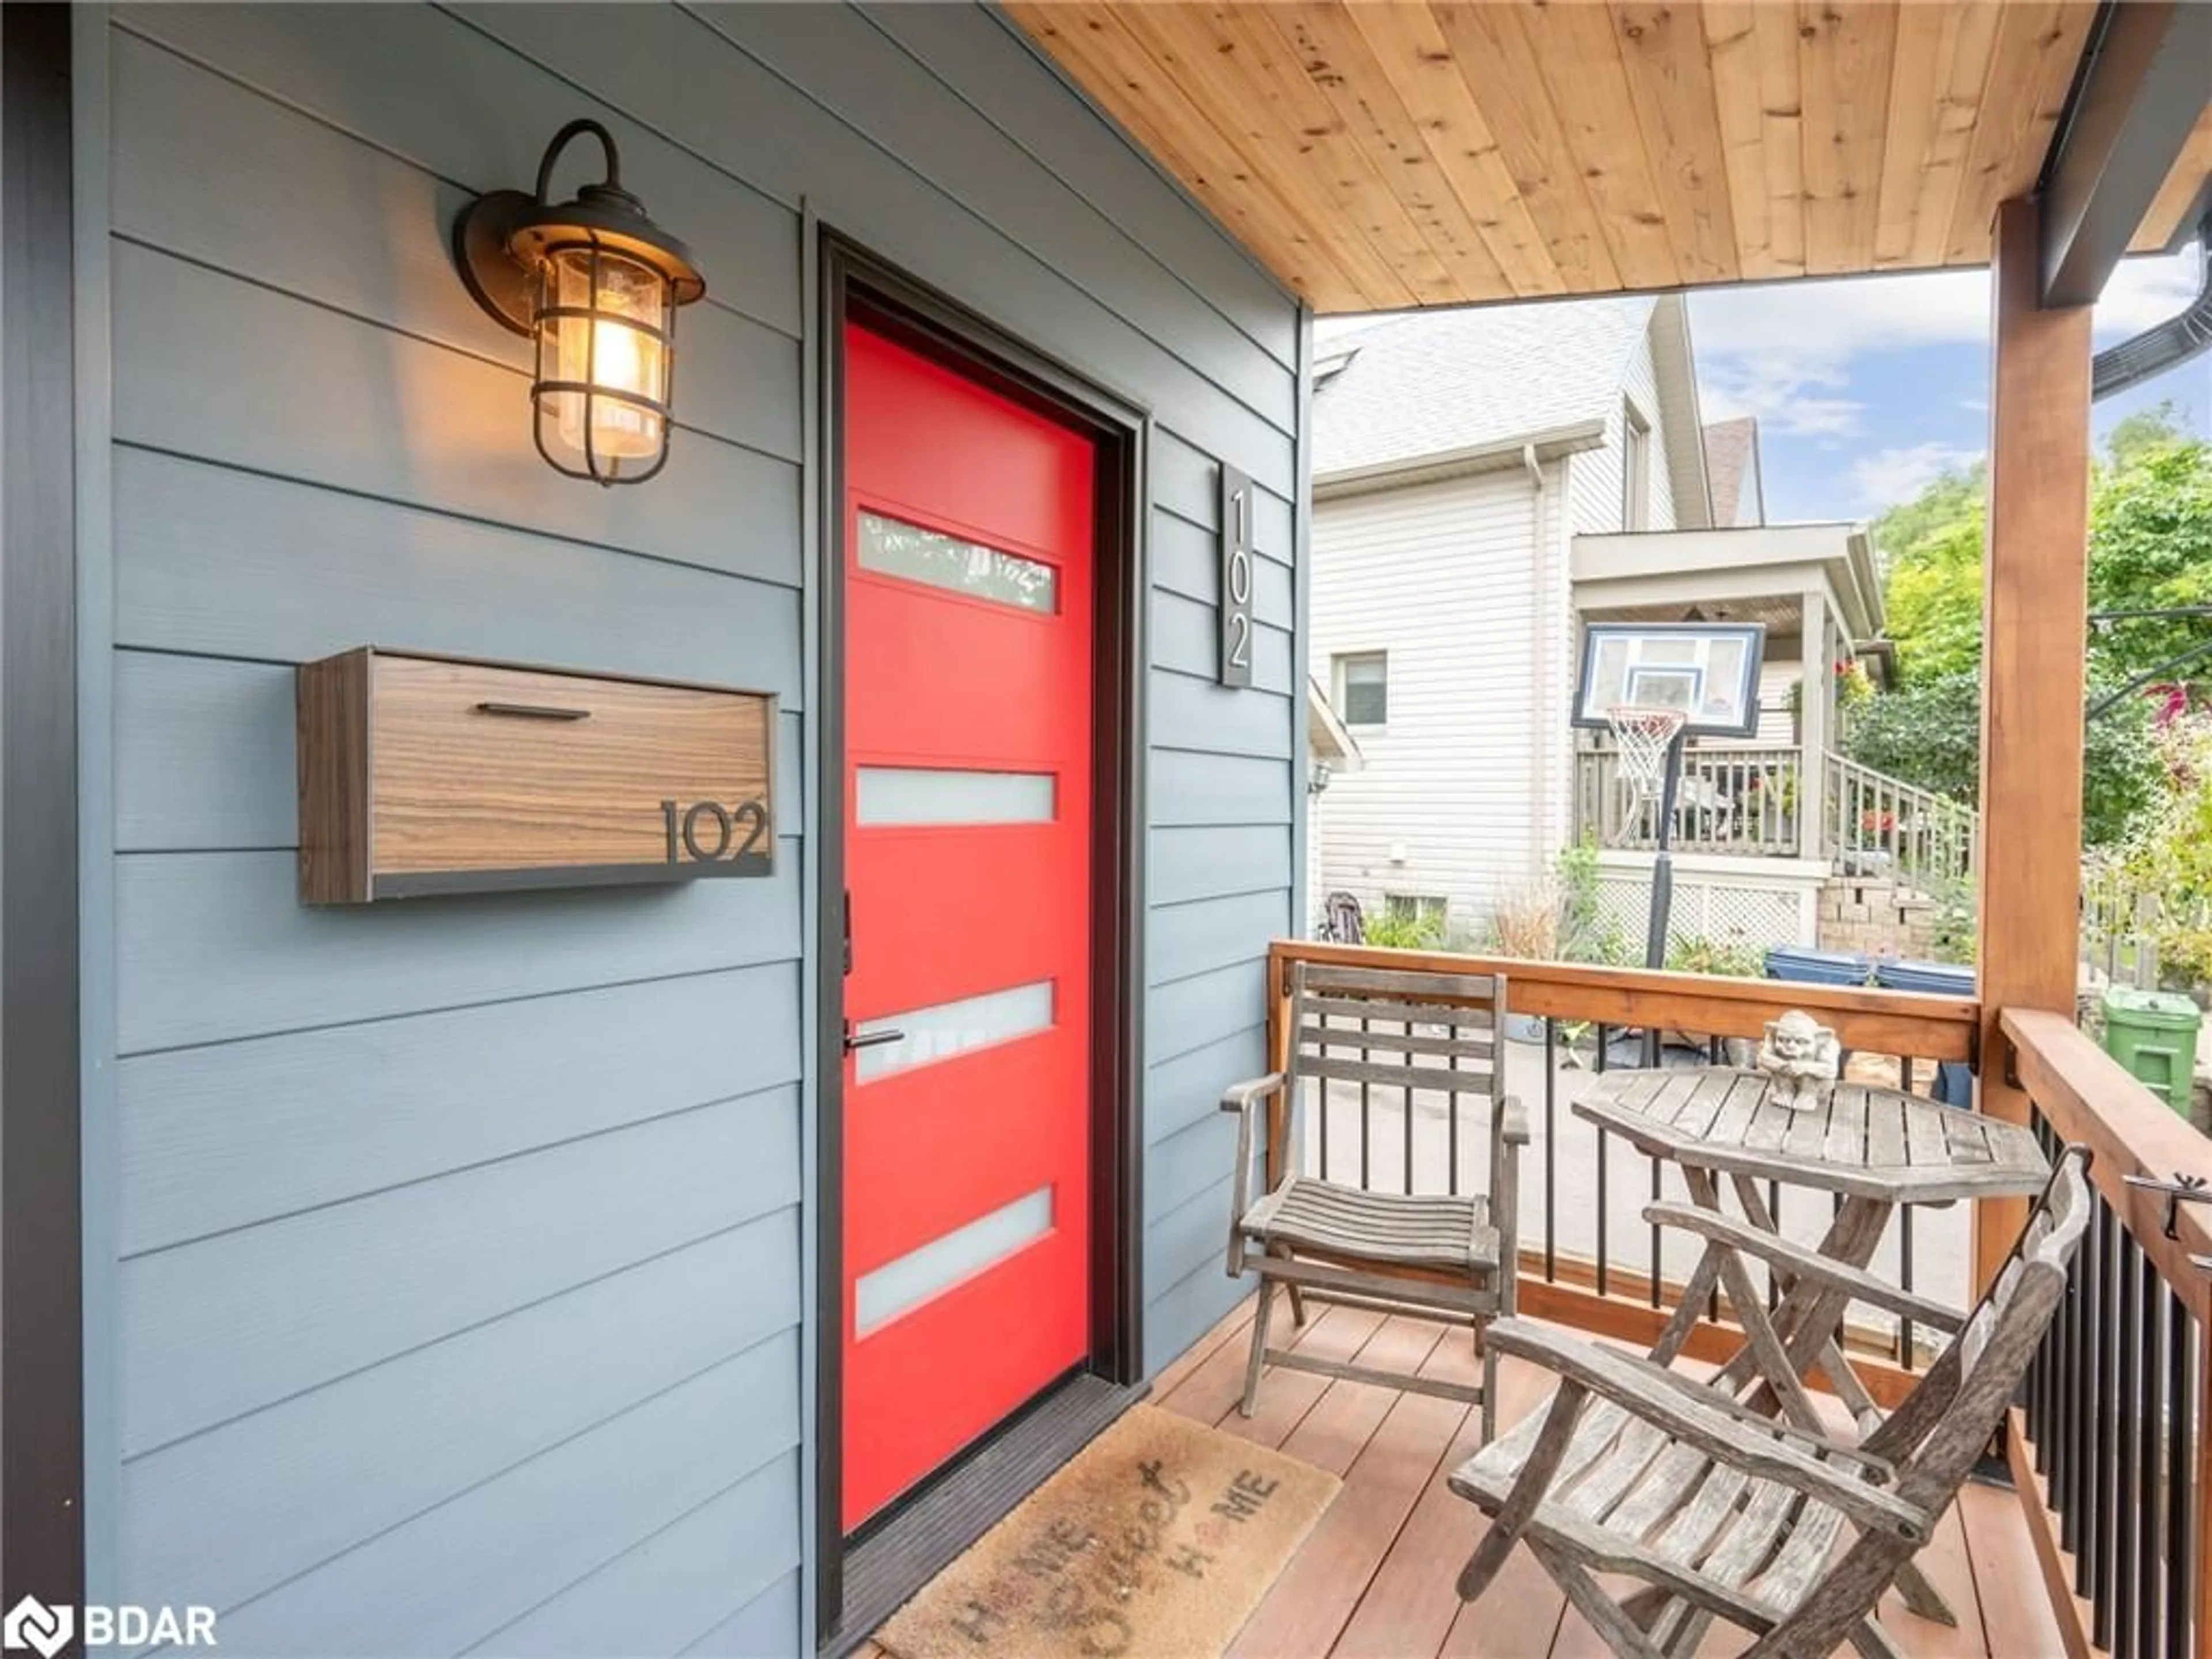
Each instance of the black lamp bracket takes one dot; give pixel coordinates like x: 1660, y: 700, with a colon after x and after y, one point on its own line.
x: 501, y: 224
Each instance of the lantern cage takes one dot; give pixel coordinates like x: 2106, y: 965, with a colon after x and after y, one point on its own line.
x: 595, y: 284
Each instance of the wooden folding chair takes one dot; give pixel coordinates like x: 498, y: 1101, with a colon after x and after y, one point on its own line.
x: 1722, y: 1509
x: 1446, y: 1251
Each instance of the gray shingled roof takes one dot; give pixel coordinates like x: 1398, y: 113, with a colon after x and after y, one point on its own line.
x: 1727, y: 464
x: 1433, y: 383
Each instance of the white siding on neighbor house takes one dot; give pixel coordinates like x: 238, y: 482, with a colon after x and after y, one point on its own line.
x: 1443, y: 578
x: 1595, y: 490
x: 1776, y: 675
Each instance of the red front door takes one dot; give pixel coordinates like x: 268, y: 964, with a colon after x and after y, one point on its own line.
x: 968, y: 645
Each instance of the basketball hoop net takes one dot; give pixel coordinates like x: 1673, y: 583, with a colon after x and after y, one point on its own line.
x: 1641, y: 739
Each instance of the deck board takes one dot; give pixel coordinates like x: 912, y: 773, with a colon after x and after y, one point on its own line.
x: 1375, y: 1580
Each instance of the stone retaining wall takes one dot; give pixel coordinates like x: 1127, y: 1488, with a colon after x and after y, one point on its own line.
x: 1877, y: 916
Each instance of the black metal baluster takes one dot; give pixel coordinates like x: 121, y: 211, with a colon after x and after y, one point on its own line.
x: 2062, y: 1395
x: 2105, y: 1494
x: 1905, y: 1276
x: 2182, y: 1547
x: 2116, y: 1623
x: 2150, y: 1519
x: 1602, y: 1194
x: 2083, y: 1428
x: 1655, y: 1235
x: 1550, y: 1147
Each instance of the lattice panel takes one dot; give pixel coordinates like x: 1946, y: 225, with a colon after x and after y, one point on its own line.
x: 1723, y: 912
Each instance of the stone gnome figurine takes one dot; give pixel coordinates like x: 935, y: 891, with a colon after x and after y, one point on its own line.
x: 1800, y: 1055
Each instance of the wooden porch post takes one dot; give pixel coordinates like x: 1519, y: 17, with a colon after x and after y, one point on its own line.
x: 2034, y: 631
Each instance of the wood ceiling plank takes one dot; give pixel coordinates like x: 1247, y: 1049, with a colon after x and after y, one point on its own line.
x: 1963, y: 52
x: 1732, y: 48
x: 1774, y: 41
x: 1499, y: 68
x: 1577, y: 52
x: 1670, y: 87
x: 1844, y: 49
x: 1916, y: 70
x: 2179, y: 191
x: 1337, y: 62
x: 1228, y: 112
x: 1285, y: 116
x: 2031, y: 70
x: 1088, y: 41
x: 1409, y: 50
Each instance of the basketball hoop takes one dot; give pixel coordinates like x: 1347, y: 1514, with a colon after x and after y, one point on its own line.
x: 1641, y: 739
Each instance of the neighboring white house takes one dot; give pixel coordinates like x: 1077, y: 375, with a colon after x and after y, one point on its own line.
x: 1486, y: 480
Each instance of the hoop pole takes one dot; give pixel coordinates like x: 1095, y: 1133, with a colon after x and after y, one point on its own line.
x: 1663, y: 877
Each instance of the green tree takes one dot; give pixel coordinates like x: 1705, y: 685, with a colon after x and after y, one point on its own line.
x: 1929, y: 732
x: 2150, y: 547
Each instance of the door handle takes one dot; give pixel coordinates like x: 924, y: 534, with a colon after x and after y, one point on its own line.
x: 870, y: 1039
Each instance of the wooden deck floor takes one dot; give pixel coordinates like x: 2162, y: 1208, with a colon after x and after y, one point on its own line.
x: 1375, y: 1579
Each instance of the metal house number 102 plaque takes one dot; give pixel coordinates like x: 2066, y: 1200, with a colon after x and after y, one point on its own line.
x: 1236, y: 577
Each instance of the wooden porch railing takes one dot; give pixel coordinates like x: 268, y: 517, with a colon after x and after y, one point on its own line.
x: 1741, y: 800
x: 2112, y: 1453
x: 1878, y: 825
x: 1588, y: 1258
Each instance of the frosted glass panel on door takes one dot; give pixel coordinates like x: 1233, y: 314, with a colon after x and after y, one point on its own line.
x: 953, y: 1027
x: 908, y: 551
x: 897, y: 1287
x: 915, y: 794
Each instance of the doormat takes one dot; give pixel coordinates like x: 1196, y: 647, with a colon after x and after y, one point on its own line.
x: 1155, y: 1542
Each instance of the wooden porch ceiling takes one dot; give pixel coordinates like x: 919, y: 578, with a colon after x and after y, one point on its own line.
x: 1380, y: 155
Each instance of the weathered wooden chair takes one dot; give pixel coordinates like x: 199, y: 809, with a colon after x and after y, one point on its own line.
x: 1446, y: 1253
x: 1724, y: 1511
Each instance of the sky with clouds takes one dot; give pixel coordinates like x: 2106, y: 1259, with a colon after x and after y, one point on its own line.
x: 1866, y: 389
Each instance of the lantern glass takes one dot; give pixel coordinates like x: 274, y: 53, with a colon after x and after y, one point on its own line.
x: 603, y: 326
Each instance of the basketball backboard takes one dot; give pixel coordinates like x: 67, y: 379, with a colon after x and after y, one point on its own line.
x: 1709, y: 670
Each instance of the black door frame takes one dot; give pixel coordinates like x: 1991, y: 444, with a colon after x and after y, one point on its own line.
x: 42, y: 1547
x: 856, y: 285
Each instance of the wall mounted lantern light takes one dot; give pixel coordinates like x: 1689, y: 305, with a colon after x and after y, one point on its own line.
x: 596, y: 283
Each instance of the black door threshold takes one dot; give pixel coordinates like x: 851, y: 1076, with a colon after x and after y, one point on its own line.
x: 890, y: 1563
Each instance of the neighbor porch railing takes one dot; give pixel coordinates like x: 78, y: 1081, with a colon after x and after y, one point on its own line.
x: 2113, y: 1451
x: 1878, y: 825
x: 1588, y: 1257
x: 1741, y: 800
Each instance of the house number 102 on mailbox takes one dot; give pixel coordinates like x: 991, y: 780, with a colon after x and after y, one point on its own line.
x: 707, y: 832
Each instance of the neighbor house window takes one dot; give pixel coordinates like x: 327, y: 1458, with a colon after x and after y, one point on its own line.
x: 1362, y: 688
x: 1635, y: 470
x: 1422, y: 908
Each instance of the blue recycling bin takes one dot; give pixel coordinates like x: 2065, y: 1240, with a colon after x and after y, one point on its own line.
x: 1809, y: 967
x: 1955, y: 1081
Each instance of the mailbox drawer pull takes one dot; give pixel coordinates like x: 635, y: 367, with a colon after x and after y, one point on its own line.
x: 533, y: 711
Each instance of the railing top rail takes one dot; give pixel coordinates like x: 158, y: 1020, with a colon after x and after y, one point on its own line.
x: 2089, y: 1096
x: 1884, y: 1022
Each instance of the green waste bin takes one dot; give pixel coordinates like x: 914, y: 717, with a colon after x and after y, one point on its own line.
x: 2153, y: 1035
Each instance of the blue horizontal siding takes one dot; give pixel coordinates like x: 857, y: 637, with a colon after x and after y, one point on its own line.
x: 455, y: 1298
x: 228, y: 1514
x: 309, y: 1298
x: 541, y: 1526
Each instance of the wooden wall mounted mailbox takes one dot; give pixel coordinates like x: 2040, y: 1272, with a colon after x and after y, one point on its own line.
x: 422, y: 775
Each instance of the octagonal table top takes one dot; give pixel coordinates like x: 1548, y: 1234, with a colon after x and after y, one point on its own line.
x: 1857, y: 1139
